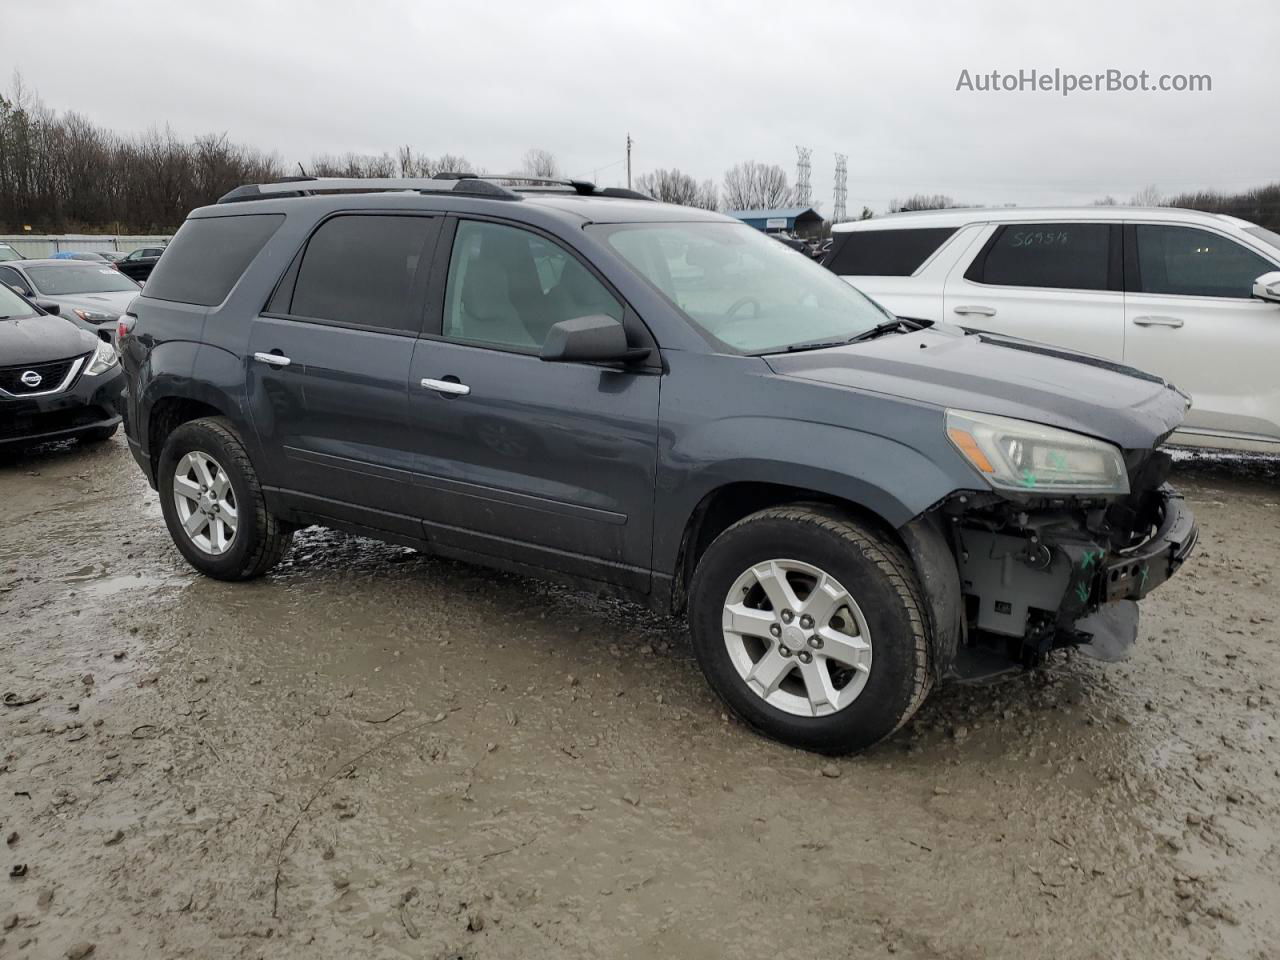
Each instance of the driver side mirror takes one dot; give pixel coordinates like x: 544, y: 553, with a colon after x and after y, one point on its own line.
x: 594, y: 339
x: 1267, y: 287
x: 49, y: 307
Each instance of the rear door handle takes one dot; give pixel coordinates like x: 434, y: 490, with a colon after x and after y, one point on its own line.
x: 972, y: 311
x: 451, y: 387
x: 275, y: 359
x: 1157, y: 321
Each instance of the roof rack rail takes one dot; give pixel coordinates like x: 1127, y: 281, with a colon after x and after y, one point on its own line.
x: 309, y: 186
x: 493, y: 186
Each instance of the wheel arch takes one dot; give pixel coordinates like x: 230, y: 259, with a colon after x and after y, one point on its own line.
x: 923, y: 538
x: 726, y: 504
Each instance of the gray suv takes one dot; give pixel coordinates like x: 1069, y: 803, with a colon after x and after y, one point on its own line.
x: 655, y: 402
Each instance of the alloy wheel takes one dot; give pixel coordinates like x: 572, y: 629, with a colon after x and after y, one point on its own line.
x: 797, y: 638
x: 206, y: 502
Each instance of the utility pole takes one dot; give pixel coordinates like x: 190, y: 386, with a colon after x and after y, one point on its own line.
x: 628, y: 161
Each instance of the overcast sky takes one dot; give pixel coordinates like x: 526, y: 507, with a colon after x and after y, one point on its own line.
x: 699, y: 86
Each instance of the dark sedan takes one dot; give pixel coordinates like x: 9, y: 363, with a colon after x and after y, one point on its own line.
x: 139, y: 263
x: 56, y: 380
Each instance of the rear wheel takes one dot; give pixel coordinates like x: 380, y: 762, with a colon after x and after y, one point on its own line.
x: 213, y: 504
x: 810, y: 626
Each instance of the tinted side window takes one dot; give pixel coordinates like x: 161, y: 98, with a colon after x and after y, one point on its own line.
x: 13, y: 278
x: 508, y: 286
x: 1068, y: 256
x: 1196, y: 263
x: 884, y: 253
x: 360, y: 270
x: 207, y: 256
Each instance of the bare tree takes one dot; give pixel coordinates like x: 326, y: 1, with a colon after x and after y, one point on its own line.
x: 540, y: 163
x: 421, y: 165
x: 63, y: 173
x: 673, y: 186
x: 756, y: 186
x: 1148, y: 196
x: 922, y: 201
x: 866, y: 214
x: 1107, y: 201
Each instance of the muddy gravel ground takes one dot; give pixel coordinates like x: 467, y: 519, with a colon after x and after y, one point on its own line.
x: 373, y: 753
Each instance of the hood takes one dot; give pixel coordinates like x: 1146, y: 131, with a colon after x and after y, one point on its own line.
x: 113, y: 303
x: 41, y: 339
x: 986, y: 373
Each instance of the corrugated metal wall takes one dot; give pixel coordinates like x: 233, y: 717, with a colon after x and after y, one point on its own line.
x: 35, y: 247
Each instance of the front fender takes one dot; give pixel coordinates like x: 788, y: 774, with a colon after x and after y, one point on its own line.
x: 886, y: 477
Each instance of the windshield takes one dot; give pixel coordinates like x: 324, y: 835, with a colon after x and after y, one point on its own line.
x: 742, y: 287
x: 1265, y: 235
x: 8, y: 253
x: 12, y: 305
x: 73, y: 278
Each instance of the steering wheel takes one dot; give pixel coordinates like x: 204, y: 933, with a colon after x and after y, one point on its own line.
x: 742, y: 302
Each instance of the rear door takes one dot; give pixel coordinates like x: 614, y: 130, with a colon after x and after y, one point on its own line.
x: 329, y: 368
x: 1055, y: 282
x: 1192, y: 320
x: 549, y: 464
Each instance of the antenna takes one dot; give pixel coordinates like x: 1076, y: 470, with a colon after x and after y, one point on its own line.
x: 803, y: 190
x: 841, y: 188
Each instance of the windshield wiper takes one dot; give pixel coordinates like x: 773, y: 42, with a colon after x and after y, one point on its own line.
x: 895, y: 325
x: 815, y: 345
x: 879, y: 330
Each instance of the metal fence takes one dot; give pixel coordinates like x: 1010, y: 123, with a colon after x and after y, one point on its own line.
x: 35, y: 247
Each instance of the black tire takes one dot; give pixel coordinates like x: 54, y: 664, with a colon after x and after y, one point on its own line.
x: 261, y: 538
x: 881, y: 579
x: 99, y: 434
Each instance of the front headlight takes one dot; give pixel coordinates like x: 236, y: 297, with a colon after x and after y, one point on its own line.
x: 92, y: 316
x: 1030, y: 457
x: 104, y: 358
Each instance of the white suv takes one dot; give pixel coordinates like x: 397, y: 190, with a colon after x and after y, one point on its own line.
x: 1192, y: 297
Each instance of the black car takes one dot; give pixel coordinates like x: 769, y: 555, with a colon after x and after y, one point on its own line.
x: 653, y: 401
x: 56, y: 379
x: 138, y: 264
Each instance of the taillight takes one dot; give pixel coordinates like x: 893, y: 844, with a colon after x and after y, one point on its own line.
x: 124, y: 326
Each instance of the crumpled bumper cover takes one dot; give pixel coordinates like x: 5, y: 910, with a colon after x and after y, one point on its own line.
x: 1056, y: 583
x: 1101, y: 577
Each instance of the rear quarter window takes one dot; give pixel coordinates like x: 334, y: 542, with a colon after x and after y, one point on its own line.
x: 884, y: 253
x: 207, y: 256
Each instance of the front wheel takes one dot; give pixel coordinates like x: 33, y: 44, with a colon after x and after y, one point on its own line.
x: 810, y: 625
x: 213, y: 503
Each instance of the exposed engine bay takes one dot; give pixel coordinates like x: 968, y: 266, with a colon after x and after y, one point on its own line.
x: 1039, y: 573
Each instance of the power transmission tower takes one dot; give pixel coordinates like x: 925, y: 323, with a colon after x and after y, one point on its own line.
x: 841, y: 188
x: 803, y: 191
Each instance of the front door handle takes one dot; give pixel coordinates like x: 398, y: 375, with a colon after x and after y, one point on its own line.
x: 972, y: 311
x: 451, y: 387
x: 1157, y: 321
x: 275, y: 359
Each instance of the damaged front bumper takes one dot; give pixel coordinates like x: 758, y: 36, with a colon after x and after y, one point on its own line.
x: 1038, y: 576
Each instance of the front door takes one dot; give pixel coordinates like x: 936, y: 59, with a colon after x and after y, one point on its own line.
x: 329, y: 369
x: 548, y: 464
x: 1191, y: 319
